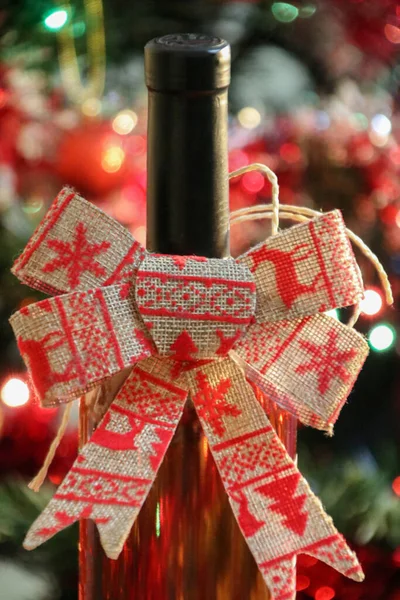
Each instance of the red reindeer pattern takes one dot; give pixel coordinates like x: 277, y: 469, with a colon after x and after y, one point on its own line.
x: 247, y: 521
x: 287, y: 282
x: 114, y: 440
x: 36, y: 353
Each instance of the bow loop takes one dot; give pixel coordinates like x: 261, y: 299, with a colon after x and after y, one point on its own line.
x: 308, y: 366
x: 78, y: 247
x: 307, y: 269
x: 72, y: 342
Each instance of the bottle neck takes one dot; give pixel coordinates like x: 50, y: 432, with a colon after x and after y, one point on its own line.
x: 188, y: 201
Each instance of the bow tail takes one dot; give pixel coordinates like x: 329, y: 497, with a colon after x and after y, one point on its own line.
x: 115, y: 470
x: 276, y: 510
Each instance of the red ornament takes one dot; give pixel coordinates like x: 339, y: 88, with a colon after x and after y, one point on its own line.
x: 93, y: 159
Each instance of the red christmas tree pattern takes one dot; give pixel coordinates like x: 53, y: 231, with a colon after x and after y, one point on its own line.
x: 76, y: 256
x: 287, y: 504
x: 226, y: 342
x: 184, y: 347
x: 327, y: 360
x: 211, y: 404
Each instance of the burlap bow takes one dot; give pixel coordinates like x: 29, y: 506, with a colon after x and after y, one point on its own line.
x: 203, y: 327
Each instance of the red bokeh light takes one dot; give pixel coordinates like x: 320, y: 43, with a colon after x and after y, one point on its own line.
x: 396, y: 486
x: 302, y: 582
x: 290, y: 153
x: 396, y: 556
x: 253, y: 182
x: 325, y: 593
x: 237, y: 159
x: 392, y: 33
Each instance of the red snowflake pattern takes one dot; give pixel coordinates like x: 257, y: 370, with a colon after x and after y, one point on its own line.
x: 211, y: 403
x: 76, y: 256
x: 327, y: 360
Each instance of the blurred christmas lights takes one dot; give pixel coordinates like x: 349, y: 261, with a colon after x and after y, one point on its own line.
x: 284, y: 12
x: 249, y: 117
x: 307, y: 11
x: 392, y: 33
x: 91, y: 107
x: 112, y: 159
x: 125, y: 122
x: 302, y: 582
x: 253, y: 182
x: 381, y: 124
x: 371, y: 303
x: 382, y: 337
x: 396, y: 486
x: 325, y: 593
x: 14, y: 392
x: 56, y: 19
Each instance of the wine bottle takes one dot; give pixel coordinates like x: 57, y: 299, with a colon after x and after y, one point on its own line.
x: 185, y: 544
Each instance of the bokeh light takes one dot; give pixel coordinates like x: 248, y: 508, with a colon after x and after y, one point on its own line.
x: 307, y: 11
x: 15, y: 392
x: 392, y: 33
x: 125, y: 122
x: 91, y: 107
x: 290, y: 153
x: 382, y: 337
x: 396, y: 486
x: 302, y: 582
x: 396, y: 556
x: 284, y: 12
x: 112, y: 159
x: 56, y: 19
x: 371, y: 303
x: 253, y: 182
x: 381, y: 124
x: 325, y: 593
x: 249, y: 117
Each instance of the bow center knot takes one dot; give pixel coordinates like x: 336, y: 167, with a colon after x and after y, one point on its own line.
x: 194, y: 307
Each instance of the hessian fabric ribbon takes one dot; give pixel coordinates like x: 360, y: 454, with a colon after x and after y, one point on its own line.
x: 188, y: 325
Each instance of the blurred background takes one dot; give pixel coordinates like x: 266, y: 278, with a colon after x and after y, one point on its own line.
x: 315, y: 96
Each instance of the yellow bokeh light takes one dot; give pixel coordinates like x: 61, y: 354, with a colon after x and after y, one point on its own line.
x: 15, y: 392
x: 91, y: 107
x: 125, y: 122
x: 249, y: 117
x: 112, y: 159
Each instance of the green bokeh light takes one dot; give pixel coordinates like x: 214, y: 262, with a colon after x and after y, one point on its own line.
x: 305, y: 12
x: 78, y: 29
x: 284, y: 12
x: 56, y: 19
x: 158, y: 520
x: 382, y: 337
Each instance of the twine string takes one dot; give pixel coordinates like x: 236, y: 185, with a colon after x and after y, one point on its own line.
x: 38, y: 480
x: 273, y: 179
